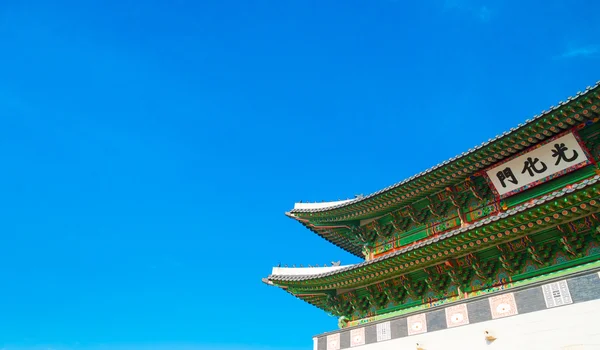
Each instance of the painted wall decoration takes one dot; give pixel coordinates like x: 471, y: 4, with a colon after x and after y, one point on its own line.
x: 557, y: 294
x: 333, y: 342
x: 357, y: 337
x: 503, y: 305
x: 384, y: 331
x: 417, y: 324
x: 541, y: 163
x: 457, y: 315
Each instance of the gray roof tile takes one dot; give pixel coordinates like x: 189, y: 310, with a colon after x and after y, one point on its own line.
x: 512, y: 130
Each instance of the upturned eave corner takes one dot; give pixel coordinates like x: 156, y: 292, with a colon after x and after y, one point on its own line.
x: 266, y: 281
x: 335, y: 238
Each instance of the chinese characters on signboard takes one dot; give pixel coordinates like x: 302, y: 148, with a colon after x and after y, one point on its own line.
x: 549, y: 160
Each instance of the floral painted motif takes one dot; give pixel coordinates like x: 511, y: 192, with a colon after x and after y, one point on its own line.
x: 457, y: 315
x: 503, y: 305
x: 333, y: 342
x: 357, y: 337
x: 417, y: 324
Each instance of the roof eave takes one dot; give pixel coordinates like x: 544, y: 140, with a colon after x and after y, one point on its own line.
x: 311, y: 227
x: 509, y: 213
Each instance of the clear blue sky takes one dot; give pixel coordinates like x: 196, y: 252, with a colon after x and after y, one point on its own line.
x: 151, y: 148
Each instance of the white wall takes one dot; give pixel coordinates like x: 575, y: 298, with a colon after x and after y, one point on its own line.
x: 572, y: 327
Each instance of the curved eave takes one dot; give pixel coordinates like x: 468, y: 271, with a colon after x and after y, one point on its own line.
x: 334, y: 237
x: 314, y: 299
x: 287, y: 280
x: 425, y: 182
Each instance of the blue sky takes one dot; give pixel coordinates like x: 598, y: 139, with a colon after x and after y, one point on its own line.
x: 151, y: 148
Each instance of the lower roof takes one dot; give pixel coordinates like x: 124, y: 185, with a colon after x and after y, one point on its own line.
x: 274, y: 278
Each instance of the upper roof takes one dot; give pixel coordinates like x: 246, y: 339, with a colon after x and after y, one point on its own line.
x: 437, y: 177
x: 334, y: 221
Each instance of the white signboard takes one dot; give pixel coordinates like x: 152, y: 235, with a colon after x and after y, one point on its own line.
x: 540, y: 164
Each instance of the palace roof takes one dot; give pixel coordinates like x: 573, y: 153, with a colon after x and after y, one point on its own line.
x: 335, y: 221
x: 535, y: 224
x: 316, y: 274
